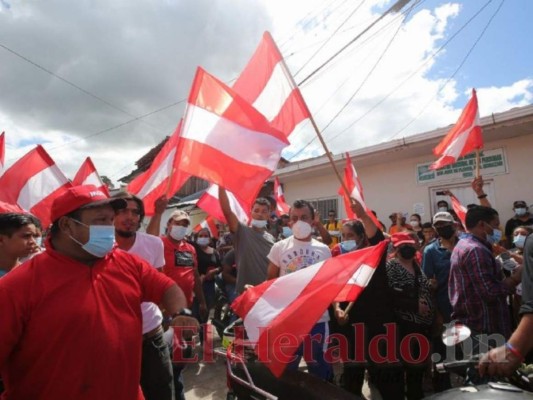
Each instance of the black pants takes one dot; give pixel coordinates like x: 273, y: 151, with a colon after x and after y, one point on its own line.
x: 157, y: 380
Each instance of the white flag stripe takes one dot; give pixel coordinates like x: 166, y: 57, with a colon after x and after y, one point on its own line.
x: 93, y: 179
x: 159, y: 175
x: 199, y: 125
x: 276, y: 298
x: 457, y: 145
x: 275, y: 93
x: 40, y: 186
x: 233, y: 202
x: 362, y: 276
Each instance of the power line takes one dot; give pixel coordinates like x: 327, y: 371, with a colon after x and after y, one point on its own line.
x: 454, y: 73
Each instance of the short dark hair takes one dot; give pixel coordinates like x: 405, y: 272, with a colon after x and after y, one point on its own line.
x: 417, y: 216
x: 36, y: 221
x: 358, y: 228
x: 427, y: 225
x: 443, y: 202
x: 129, y: 196
x: 12, y: 222
x: 298, y: 204
x: 332, y: 211
x: 479, y: 213
x: 262, y: 202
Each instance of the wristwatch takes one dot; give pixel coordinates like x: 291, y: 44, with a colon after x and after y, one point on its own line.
x: 184, y: 312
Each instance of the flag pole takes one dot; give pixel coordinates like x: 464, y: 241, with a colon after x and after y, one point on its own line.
x: 478, y: 163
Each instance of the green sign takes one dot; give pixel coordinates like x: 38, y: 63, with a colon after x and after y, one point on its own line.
x: 492, y: 163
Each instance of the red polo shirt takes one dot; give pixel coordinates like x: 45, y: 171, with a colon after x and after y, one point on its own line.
x: 180, y: 262
x: 71, y: 331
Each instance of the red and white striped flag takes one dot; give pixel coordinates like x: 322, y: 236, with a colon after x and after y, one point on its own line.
x: 210, y: 224
x: 87, y: 175
x: 465, y: 137
x: 268, y: 85
x: 281, y: 205
x: 33, y: 183
x: 293, y: 303
x: 226, y: 141
x: 10, y: 208
x: 2, y: 152
x: 210, y: 204
x: 459, y: 209
x: 163, y: 177
x: 353, y: 184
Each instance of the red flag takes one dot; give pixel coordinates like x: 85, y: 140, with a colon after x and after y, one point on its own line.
x: 226, y: 141
x: 9, y: 208
x: 87, y: 175
x: 209, y: 224
x: 293, y: 303
x: 268, y: 85
x: 459, y: 209
x: 33, y: 183
x: 2, y: 152
x: 163, y: 177
x: 281, y: 205
x: 210, y: 204
x: 465, y: 137
x: 353, y: 184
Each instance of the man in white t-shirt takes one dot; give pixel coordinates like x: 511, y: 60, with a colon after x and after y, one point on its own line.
x: 156, y: 369
x: 292, y: 254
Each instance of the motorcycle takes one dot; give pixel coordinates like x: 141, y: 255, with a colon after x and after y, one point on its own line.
x: 223, y: 315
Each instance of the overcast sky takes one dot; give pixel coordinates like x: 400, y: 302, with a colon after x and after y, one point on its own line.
x: 84, y: 67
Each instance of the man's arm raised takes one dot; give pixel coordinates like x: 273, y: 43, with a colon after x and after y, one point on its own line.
x: 231, y: 218
x: 154, y: 226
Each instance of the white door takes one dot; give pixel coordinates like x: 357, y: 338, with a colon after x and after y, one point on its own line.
x: 463, y: 191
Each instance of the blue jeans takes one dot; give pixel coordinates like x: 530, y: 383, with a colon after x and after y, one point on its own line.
x: 317, y: 366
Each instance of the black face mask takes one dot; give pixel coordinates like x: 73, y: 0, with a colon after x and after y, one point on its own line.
x: 446, y: 232
x: 407, y: 252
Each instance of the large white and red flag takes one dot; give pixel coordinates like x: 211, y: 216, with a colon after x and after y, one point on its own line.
x: 164, y: 177
x: 210, y: 224
x: 211, y: 205
x: 459, y: 209
x: 281, y: 205
x: 268, y: 85
x: 353, y: 184
x: 288, y: 307
x: 226, y: 141
x: 33, y: 183
x: 87, y: 175
x: 2, y: 152
x: 465, y: 137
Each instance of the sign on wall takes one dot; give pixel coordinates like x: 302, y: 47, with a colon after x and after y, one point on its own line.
x: 493, y: 162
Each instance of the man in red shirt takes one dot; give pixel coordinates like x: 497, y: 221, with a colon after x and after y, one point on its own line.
x: 181, y: 263
x: 70, y: 326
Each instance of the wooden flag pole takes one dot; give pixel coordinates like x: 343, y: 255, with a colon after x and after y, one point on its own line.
x: 330, y: 158
x: 478, y: 163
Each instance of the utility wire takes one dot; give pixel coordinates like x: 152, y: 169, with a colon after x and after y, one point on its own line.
x: 465, y: 58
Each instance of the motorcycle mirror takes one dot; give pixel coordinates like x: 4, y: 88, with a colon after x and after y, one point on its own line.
x: 455, y: 333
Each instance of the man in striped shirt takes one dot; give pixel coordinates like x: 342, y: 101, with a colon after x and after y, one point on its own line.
x: 477, y: 286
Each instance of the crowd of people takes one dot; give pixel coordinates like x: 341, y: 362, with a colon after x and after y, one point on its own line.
x: 86, y: 312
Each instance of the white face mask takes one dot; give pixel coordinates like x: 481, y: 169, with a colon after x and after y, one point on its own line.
x: 178, y: 232
x: 443, y: 209
x: 259, y: 223
x: 301, y: 230
x: 414, y: 223
x: 519, y: 241
x: 203, y: 241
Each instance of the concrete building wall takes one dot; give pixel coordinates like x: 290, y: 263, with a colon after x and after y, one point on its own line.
x: 392, y: 186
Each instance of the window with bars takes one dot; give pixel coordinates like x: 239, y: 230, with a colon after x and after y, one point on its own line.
x: 323, y: 206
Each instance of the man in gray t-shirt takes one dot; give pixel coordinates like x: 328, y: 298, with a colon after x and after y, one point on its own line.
x: 252, y: 244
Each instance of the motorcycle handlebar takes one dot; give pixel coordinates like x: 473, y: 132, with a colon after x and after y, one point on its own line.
x: 458, y: 365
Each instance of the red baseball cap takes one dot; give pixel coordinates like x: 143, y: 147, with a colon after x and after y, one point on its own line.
x: 402, y: 238
x: 83, y: 197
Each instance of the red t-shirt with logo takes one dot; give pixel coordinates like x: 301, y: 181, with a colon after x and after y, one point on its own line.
x: 180, y: 262
x: 73, y: 331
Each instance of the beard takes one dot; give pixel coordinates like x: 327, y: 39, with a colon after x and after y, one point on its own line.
x: 125, y: 234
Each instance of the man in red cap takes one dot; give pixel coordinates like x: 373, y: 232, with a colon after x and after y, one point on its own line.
x: 70, y: 326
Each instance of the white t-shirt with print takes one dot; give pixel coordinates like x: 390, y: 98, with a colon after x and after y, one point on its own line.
x: 291, y: 255
x: 149, y: 248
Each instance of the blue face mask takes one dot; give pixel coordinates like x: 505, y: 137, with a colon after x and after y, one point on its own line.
x: 519, y: 241
x: 348, y: 245
x: 101, y: 239
x: 287, y: 232
x: 495, y: 237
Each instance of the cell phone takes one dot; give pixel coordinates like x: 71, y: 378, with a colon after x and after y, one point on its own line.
x: 440, y: 193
